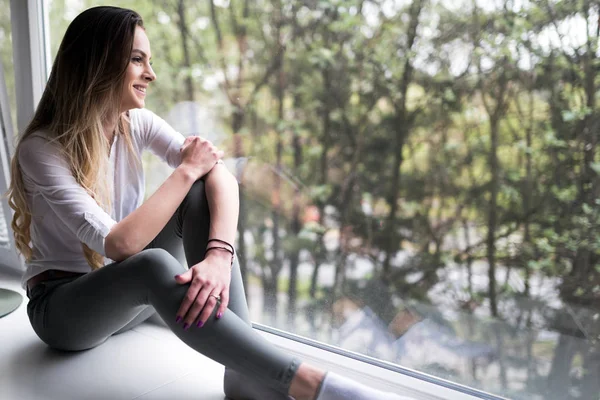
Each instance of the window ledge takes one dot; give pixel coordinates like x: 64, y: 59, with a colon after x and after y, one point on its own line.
x: 411, y: 383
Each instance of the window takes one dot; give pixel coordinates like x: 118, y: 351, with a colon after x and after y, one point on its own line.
x: 5, y: 131
x: 6, y: 57
x: 419, y: 179
x: 8, y: 255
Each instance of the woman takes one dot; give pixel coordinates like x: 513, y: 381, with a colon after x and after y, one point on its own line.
x: 99, y: 260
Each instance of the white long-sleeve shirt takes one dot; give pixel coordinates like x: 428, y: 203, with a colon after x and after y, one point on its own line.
x: 64, y: 214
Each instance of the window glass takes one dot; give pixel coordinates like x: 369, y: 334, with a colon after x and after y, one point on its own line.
x: 419, y: 180
x: 6, y: 57
x: 7, y: 82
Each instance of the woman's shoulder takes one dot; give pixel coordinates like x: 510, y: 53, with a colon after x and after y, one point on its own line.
x: 141, y: 116
x: 38, y: 141
x: 145, y: 124
x: 141, y: 121
x: 37, y: 150
x: 40, y: 135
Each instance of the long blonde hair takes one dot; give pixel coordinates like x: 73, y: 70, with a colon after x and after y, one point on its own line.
x: 84, y: 90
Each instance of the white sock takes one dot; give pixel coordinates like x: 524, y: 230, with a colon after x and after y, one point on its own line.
x: 336, y: 387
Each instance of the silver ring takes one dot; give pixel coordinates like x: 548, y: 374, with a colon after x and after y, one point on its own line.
x: 216, y: 297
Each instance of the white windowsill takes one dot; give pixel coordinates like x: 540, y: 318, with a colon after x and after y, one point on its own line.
x: 371, y: 375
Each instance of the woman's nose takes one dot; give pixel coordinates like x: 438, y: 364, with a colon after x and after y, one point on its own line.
x: 149, y: 74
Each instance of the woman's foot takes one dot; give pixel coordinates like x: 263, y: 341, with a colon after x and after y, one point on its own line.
x: 337, y: 387
x: 309, y: 383
x: 306, y: 382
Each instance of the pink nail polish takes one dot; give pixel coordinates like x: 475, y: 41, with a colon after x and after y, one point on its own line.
x: 185, y: 326
x: 178, y: 319
x: 199, y: 324
x: 219, y: 315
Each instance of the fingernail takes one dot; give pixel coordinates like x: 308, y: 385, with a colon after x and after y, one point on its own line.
x: 185, y: 326
x: 219, y: 315
x: 199, y: 324
x: 178, y: 319
x: 176, y: 276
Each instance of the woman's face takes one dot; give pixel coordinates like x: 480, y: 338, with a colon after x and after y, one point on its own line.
x: 139, y: 73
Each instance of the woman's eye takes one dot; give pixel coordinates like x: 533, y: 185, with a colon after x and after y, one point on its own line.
x: 137, y: 59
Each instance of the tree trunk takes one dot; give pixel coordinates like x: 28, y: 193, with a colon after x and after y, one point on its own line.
x: 184, y: 32
x: 558, y: 377
x: 323, y: 166
x: 295, y: 230
x: 532, y: 375
x: 528, y: 193
x: 589, y: 128
x: 270, y: 298
x: 402, y: 131
x: 277, y: 261
x: 492, y: 217
x: 344, y: 207
x: 584, y: 262
x: 501, y: 357
x: 469, y: 259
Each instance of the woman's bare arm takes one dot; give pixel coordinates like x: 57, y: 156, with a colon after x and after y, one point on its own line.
x: 138, y: 229
x: 223, y: 202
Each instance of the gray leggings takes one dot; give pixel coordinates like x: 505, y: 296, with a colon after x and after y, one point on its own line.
x: 82, y: 312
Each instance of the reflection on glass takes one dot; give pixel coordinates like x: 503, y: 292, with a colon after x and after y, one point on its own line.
x: 419, y: 180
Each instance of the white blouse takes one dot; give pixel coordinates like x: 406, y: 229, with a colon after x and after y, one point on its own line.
x: 64, y: 214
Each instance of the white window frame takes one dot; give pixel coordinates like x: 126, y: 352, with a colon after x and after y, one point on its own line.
x: 31, y: 54
x: 9, y: 258
x: 8, y: 254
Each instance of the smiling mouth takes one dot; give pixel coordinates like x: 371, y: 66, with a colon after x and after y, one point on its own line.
x: 140, y: 89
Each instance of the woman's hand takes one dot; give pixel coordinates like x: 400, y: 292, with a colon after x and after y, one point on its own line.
x: 199, y: 156
x: 209, y: 280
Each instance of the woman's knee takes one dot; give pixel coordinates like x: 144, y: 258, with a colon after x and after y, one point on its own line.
x: 194, y: 217
x: 156, y: 262
x: 196, y: 196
